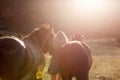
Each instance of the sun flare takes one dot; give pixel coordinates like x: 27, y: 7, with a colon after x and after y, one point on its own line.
x: 89, y: 5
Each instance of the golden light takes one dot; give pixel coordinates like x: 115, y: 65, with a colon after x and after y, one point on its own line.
x: 75, y: 15
x: 89, y: 6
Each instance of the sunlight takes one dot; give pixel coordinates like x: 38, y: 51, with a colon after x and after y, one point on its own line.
x: 90, y: 15
x: 89, y: 5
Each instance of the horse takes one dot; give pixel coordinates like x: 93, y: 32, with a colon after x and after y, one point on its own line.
x: 19, y: 59
x: 73, y: 60
x: 59, y: 39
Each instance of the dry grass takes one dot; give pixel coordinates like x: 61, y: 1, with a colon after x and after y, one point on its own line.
x: 106, y: 62
x: 105, y: 68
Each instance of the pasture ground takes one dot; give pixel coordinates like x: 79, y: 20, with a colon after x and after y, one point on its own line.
x: 106, y: 61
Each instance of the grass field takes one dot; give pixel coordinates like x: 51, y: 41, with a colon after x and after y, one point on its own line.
x: 106, y: 61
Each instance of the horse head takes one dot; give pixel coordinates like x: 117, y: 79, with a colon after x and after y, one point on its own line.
x: 59, y: 39
x: 47, y: 32
x: 42, y: 37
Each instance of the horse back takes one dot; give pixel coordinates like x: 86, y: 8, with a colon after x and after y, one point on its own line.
x: 73, y: 57
x: 11, y: 57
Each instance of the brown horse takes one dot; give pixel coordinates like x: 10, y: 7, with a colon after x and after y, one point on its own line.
x: 72, y: 59
x: 19, y: 59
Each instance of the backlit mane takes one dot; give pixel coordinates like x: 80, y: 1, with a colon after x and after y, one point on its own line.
x: 60, y: 39
x: 36, y: 30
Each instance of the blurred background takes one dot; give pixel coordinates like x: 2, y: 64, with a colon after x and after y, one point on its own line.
x: 93, y: 18
x: 98, y: 20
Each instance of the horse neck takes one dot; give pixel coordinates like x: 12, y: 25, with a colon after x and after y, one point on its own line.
x: 34, y: 41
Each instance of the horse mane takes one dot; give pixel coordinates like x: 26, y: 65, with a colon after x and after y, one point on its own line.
x: 36, y: 30
x: 60, y: 39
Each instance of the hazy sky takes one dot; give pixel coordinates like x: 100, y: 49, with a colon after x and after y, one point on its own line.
x: 88, y: 16
x: 83, y: 13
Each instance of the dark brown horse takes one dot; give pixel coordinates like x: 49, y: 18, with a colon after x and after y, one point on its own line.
x: 19, y: 59
x: 72, y: 59
x: 75, y: 60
